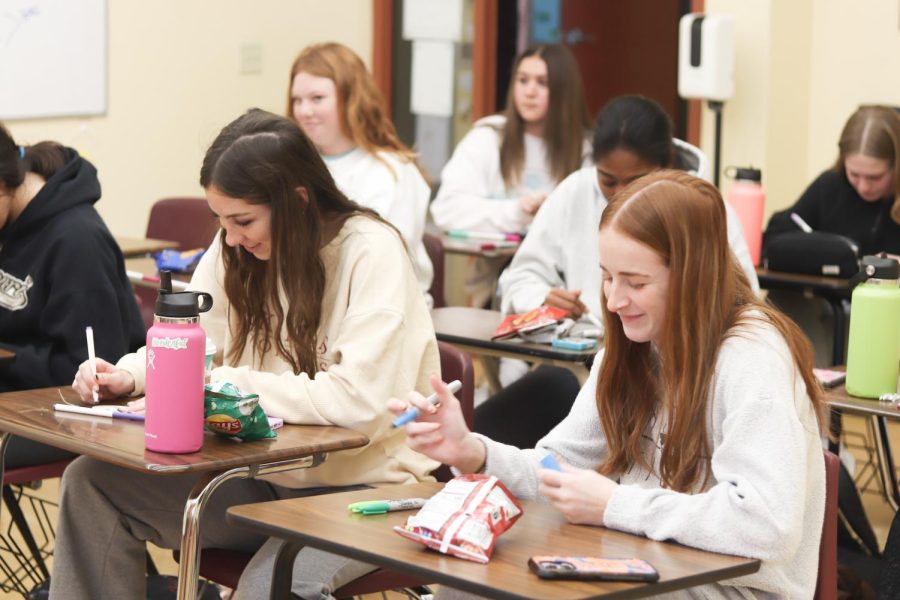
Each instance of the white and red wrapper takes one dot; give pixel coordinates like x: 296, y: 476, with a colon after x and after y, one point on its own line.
x: 465, y: 518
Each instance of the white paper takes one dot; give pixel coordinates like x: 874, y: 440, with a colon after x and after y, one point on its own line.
x: 431, y: 89
x: 432, y: 20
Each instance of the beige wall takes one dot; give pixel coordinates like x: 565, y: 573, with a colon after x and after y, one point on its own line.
x: 174, y: 81
x: 802, y: 67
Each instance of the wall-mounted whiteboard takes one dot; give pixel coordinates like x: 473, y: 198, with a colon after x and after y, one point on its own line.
x: 52, y: 58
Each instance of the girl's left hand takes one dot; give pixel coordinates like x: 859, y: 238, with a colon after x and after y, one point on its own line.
x: 579, y: 494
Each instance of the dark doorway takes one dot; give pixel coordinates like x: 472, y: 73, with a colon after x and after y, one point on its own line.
x: 622, y: 47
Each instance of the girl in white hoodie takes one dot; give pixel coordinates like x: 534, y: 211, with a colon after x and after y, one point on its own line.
x: 701, y: 421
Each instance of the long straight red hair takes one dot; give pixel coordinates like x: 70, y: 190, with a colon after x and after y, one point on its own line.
x: 682, y: 219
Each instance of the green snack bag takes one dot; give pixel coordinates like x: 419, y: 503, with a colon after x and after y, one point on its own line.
x: 229, y: 412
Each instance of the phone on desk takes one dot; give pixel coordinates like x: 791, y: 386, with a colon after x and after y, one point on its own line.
x: 830, y: 378
x: 573, y: 343
x: 592, y: 568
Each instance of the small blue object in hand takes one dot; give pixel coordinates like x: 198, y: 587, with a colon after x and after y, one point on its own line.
x: 548, y: 462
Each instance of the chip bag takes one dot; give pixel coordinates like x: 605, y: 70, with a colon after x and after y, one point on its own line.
x: 228, y: 412
x: 465, y: 518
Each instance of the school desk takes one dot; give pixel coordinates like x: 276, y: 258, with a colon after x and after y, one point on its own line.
x: 474, y: 246
x: 324, y: 522
x: 133, y: 247
x: 30, y: 414
x: 471, y: 328
x: 878, y: 414
x: 833, y: 290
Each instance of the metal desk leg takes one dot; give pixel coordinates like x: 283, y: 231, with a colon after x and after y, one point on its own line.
x: 189, y: 565
x: 283, y: 571
x: 840, y: 326
x: 886, y: 461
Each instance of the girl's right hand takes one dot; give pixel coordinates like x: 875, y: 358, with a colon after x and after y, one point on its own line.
x: 530, y: 203
x: 567, y: 300
x: 111, y: 382
x: 440, y: 432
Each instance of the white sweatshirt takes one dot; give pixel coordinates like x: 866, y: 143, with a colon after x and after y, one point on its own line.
x: 561, y: 249
x: 766, y: 497
x: 400, y: 197
x: 473, y: 195
x: 375, y: 342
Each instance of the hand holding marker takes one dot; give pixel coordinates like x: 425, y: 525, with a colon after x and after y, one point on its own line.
x: 413, y: 412
x: 92, y: 359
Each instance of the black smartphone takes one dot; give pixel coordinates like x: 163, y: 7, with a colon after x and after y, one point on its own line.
x: 592, y: 567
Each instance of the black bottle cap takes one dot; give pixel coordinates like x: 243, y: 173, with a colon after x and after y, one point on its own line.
x: 748, y: 174
x: 179, y: 305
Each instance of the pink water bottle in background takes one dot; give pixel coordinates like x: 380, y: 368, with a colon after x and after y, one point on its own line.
x: 176, y: 348
x: 747, y: 198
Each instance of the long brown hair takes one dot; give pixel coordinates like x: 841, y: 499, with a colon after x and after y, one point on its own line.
x: 874, y: 131
x: 262, y: 158
x: 364, y: 118
x: 567, y: 118
x: 682, y: 219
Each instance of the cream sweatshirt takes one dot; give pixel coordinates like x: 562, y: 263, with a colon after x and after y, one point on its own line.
x: 766, y: 497
x: 375, y: 342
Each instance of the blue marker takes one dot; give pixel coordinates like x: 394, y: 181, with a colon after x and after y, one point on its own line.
x: 549, y: 462
x: 413, y: 412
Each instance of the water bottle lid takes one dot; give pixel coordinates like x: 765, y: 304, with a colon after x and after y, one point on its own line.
x: 876, y: 267
x: 748, y: 174
x: 179, y: 304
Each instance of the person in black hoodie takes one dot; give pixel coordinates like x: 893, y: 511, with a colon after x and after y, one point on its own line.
x: 60, y: 271
x: 859, y: 196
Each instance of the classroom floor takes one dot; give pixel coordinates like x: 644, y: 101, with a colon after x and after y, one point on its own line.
x: 878, y: 510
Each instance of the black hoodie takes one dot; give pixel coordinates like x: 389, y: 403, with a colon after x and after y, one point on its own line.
x: 60, y: 271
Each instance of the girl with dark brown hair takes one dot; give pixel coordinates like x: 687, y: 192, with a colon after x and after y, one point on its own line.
x: 503, y: 169
x: 701, y: 420
x: 318, y: 311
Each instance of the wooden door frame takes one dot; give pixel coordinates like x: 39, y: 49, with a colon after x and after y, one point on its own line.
x: 383, y: 47
x: 695, y: 107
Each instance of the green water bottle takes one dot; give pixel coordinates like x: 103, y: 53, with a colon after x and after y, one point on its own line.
x: 873, y: 355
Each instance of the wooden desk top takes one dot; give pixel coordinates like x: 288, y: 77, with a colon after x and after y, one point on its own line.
x: 30, y: 414
x: 472, y: 327
x: 838, y: 398
x: 798, y: 281
x: 133, y: 247
x: 324, y: 522
x: 473, y: 246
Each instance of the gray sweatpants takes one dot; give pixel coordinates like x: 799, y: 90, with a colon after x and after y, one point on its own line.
x: 108, y: 513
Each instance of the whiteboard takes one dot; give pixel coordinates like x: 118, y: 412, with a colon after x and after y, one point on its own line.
x: 52, y: 58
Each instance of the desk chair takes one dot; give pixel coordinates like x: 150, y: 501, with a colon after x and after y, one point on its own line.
x: 225, y: 566
x: 826, y: 582
x: 435, y: 249
x: 25, y: 567
x: 187, y: 221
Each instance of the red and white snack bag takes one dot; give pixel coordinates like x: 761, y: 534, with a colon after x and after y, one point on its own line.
x: 465, y: 518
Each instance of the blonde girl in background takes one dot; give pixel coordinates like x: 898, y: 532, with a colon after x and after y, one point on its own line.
x: 335, y: 101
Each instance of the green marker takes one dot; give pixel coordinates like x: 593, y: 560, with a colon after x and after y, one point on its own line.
x: 379, y: 507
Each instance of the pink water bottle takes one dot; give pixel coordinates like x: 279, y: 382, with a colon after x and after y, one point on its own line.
x: 748, y: 200
x: 176, y: 347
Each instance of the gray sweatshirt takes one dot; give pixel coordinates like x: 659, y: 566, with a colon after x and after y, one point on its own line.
x: 766, y: 496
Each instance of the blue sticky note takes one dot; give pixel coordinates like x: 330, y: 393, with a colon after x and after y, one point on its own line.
x: 548, y: 462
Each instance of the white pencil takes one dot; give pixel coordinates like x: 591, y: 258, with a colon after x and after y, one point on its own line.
x: 92, y: 359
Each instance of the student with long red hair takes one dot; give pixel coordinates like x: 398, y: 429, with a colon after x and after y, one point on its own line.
x: 700, y: 422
